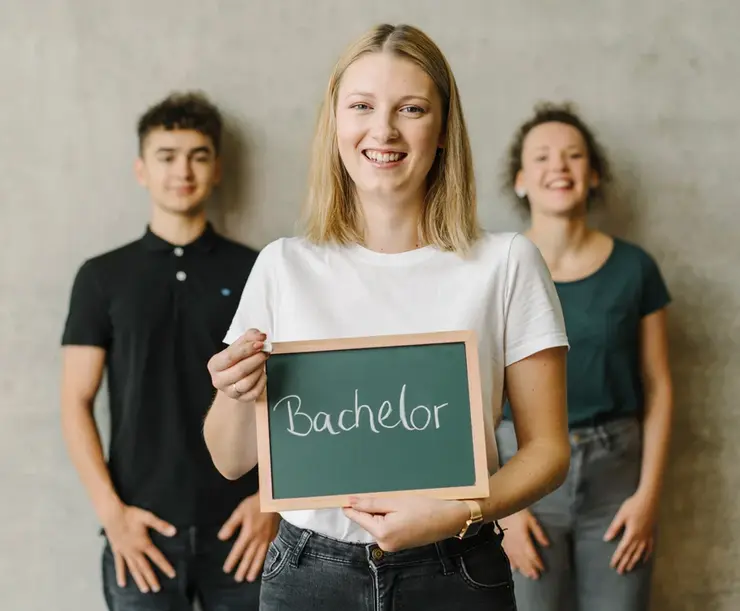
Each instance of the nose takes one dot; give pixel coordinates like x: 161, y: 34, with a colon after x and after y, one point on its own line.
x: 559, y: 162
x: 384, y: 127
x: 184, y: 167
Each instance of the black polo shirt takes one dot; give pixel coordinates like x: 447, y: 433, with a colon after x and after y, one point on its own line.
x: 161, y: 311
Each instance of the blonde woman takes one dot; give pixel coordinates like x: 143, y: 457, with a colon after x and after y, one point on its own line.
x: 391, y: 220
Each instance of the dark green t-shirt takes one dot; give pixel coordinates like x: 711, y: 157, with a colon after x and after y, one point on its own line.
x: 602, y: 318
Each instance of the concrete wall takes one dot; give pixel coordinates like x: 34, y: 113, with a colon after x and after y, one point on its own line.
x: 654, y: 78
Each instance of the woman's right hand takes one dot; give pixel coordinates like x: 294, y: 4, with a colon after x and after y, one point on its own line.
x: 520, y: 528
x: 239, y: 370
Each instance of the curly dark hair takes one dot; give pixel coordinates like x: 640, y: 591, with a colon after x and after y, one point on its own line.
x: 549, y: 112
x: 183, y: 110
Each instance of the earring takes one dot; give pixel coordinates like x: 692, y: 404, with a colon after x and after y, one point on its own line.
x: 520, y: 193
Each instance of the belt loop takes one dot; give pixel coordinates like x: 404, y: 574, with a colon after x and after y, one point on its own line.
x: 498, y: 531
x: 448, y: 568
x: 604, y: 437
x: 193, y: 539
x: 297, y: 552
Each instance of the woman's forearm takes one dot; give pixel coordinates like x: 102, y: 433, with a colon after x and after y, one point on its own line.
x: 656, y: 438
x: 533, y: 472
x: 230, y: 434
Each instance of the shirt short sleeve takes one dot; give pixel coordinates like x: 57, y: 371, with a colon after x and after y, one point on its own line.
x: 258, y: 299
x: 655, y: 293
x: 88, y: 319
x: 533, y: 314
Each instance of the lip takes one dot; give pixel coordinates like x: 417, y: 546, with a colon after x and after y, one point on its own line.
x: 384, y: 165
x: 567, y: 186
x: 185, y: 190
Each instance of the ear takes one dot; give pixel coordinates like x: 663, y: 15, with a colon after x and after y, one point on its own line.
x: 519, y: 187
x: 140, y: 171
x: 217, y: 171
x: 595, y: 180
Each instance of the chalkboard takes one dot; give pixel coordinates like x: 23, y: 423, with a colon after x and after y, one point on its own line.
x: 379, y: 415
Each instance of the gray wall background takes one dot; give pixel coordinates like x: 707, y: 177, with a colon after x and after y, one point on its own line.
x: 653, y: 77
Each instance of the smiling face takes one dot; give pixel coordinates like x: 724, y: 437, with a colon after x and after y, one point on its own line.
x: 556, y: 174
x: 389, y: 126
x: 179, y: 168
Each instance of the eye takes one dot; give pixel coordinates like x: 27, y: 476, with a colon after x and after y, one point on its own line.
x: 541, y: 158
x: 202, y: 159
x: 360, y: 106
x: 167, y: 158
x: 414, y: 110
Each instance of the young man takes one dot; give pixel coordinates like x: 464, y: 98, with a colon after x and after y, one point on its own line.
x: 152, y: 313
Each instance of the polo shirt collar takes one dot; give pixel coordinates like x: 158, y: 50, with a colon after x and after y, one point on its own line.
x: 204, y: 242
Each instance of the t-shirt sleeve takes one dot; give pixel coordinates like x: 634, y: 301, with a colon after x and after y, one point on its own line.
x: 655, y: 293
x: 533, y: 314
x: 257, y: 302
x: 88, y: 319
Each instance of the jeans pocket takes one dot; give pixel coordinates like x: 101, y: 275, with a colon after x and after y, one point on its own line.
x: 275, y: 560
x: 485, y: 567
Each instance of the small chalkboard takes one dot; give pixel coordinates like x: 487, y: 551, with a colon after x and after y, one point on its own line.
x: 381, y: 415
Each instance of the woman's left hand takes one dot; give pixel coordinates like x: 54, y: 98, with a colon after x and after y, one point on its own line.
x: 636, y: 517
x: 399, y: 523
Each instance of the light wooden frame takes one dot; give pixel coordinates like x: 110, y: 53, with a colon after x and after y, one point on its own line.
x: 479, y: 490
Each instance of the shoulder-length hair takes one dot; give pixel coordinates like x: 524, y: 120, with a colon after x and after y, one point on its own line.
x: 449, y: 220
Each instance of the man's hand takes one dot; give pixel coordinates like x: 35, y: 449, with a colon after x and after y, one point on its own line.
x: 256, y: 532
x: 522, y: 530
x: 127, y: 529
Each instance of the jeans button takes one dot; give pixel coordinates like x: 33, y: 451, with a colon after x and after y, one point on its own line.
x: 377, y: 553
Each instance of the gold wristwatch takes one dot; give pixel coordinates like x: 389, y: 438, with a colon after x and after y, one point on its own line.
x: 474, y: 522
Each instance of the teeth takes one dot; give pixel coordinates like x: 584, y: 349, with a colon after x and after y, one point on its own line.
x: 382, y: 157
x: 560, y: 183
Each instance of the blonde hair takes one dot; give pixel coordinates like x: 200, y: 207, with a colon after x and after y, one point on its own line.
x: 449, y: 220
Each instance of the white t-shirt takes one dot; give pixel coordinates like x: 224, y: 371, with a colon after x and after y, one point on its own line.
x: 502, y: 290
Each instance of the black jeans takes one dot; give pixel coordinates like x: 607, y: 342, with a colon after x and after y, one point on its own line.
x: 309, y: 572
x: 198, y: 556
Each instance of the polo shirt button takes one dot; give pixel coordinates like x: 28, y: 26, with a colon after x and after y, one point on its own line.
x: 181, y: 276
x: 178, y: 251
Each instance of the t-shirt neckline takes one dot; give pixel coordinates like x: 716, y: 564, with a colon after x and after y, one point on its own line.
x: 408, y: 257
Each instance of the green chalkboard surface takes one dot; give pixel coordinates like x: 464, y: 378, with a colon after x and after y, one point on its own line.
x: 378, y: 415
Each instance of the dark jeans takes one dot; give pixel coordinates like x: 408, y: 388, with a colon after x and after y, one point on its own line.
x: 309, y: 572
x: 198, y: 557
x: 604, y: 472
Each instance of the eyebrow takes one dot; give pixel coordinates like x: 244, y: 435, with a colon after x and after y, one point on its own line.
x: 547, y: 146
x: 365, y: 94
x: 195, y: 151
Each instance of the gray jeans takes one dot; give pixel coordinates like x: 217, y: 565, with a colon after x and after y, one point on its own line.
x: 604, y: 471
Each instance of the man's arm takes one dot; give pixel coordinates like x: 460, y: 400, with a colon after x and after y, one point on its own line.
x: 82, y: 373
x: 126, y: 527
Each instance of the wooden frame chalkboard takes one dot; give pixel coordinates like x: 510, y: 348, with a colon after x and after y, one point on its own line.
x: 479, y: 488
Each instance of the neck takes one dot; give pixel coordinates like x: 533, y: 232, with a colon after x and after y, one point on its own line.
x: 391, y: 227
x: 557, y: 237
x: 178, y: 229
